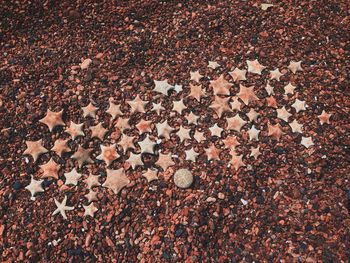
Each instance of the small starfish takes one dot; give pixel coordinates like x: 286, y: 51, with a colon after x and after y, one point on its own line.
x: 98, y: 131
x: 165, y: 161
x: 275, y: 74
x: 179, y: 106
x: 253, y: 133
x: 137, y: 104
x: 275, y: 131
x: 90, y: 210
x: 191, y: 118
x: 307, y: 142
x: 324, y: 117
x: 61, y: 147
x: 231, y: 142
x: 116, y: 180
x: 183, y: 134
x: 220, y: 105
x: 235, y: 123
x: 62, y: 208
x: 283, y: 114
x: 199, y: 136
x: 216, y: 130
x: 91, y: 196
x: 191, y: 155
x: 157, y: 107
x: 135, y: 159
x: 50, y: 169
x: 75, y: 130
x: 162, y: 86
x: 89, y: 110
x: 269, y: 89
x: 150, y: 175
x: 235, y: 104
x: 221, y: 86
x: 213, y: 64
x: 35, y: 186
x: 196, y: 76
x: 147, y: 145
x: 72, y: 177
x: 122, y: 124
x: 178, y: 88
x: 252, y: 115
x: 92, y: 181
x: 53, y: 119
x: 35, y: 149
x: 255, y: 152
x: 113, y: 109
x: 271, y: 102
x: 212, y: 152
x: 238, y: 74
x: 299, y: 105
x: 296, y: 127
x: 163, y: 129
x: 108, y: 154
x: 236, y: 161
x: 255, y: 67
x: 295, y: 66
x: 144, y: 126
x: 246, y: 94
x: 196, y: 92
x: 82, y: 155
x: 289, y: 89
x: 126, y: 142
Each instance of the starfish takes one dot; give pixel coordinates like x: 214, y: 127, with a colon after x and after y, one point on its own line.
x: 212, y: 152
x: 252, y: 115
x: 162, y: 86
x: 50, y: 169
x: 150, y: 175
x: 299, y: 105
x: 275, y: 131
x: 163, y: 129
x: 116, y: 180
x: 108, y: 154
x: 196, y: 76
x: 246, y: 94
x: 147, y: 145
x: 91, y: 196
x: 269, y: 89
x: 157, y: 107
x: 238, y: 74
x: 253, y: 133
x: 295, y: 66
x: 35, y: 149
x: 82, y: 155
x: 60, y: 147
x: 255, y: 67
x: 183, y: 134
x: 307, y: 141
x: 324, y: 117
x: 196, y: 92
x: 221, y: 86
x: 122, y: 124
x: 191, y: 118
x: 134, y: 159
x: 92, y: 181
x: 231, y: 142
x: 255, y: 152
x: 144, y: 126
x: 296, y: 127
x: 213, y: 64
x: 220, y: 105
x: 90, y: 210
x: 72, y: 177
x: 165, y: 161
x: 178, y: 88
x: 271, y: 102
x: 216, y: 130
x: 98, y: 131
x: 75, y: 130
x: 235, y: 123
x: 199, y: 136
x: 235, y: 104
x: 137, y: 104
x: 289, y: 89
x: 275, y: 74
x: 283, y: 114
x: 179, y: 106
x: 89, y: 110
x: 53, y: 119
x: 126, y: 142
x: 113, y: 109
x: 191, y: 155
x: 62, y: 208
x: 35, y: 186
x: 236, y: 161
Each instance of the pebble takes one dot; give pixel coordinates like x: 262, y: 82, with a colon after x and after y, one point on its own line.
x: 183, y: 178
x: 85, y: 64
x: 17, y: 185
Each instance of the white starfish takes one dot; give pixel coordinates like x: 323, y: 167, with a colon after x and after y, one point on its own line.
x: 61, y: 207
x: 35, y: 186
x: 72, y: 177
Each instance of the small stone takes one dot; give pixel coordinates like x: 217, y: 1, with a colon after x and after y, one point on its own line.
x: 221, y: 196
x: 183, y: 178
x: 211, y: 199
x: 17, y: 185
x: 85, y: 64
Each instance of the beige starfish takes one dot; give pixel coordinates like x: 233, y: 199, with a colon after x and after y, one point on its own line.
x: 238, y: 74
x: 255, y: 67
x: 271, y: 102
x: 255, y: 152
x: 235, y: 123
x: 299, y: 105
x: 236, y: 161
x: 150, y: 175
x: 62, y: 208
x: 191, y: 155
x: 283, y: 114
x: 220, y: 105
x: 324, y: 117
x: 163, y: 129
x: 50, y: 169
x: 90, y: 210
x: 183, y: 134
x: 92, y: 180
x: 116, y: 180
x: 221, y: 86
x: 89, y: 110
x: 289, y: 89
x: 213, y: 64
x: 82, y: 155
x: 307, y: 142
x: 235, y: 104
x: 162, y: 86
x: 246, y: 94
x: 165, y: 161
x: 127, y: 142
x: 231, y: 142
x: 216, y: 130
x: 53, y: 119
x: 75, y: 130
x: 91, y: 196
x: 275, y: 74
x: 253, y: 133
x: 157, y: 107
x: 196, y: 92
x: 137, y: 104
x: 61, y: 147
x: 199, y: 136
x: 296, y: 127
x: 135, y: 159
x: 253, y: 115
x: 275, y: 131
x: 122, y: 124
x: 147, y: 145
x: 191, y: 118
x: 295, y: 66
x: 72, y: 177
x: 113, y: 109
x: 179, y: 106
x: 98, y: 131
x: 35, y: 149
x: 144, y: 126
x: 269, y: 89
x: 196, y: 76
x: 35, y: 186
x: 212, y: 152
x: 108, y: 154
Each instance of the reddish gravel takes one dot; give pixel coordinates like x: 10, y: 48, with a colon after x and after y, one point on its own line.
x: 287, y: 205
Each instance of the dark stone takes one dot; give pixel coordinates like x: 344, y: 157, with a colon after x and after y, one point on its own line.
x: 17, y: 185
x: 279, y: 150
x: 179, y: 230
x: 166, y: 255
x: 260, y: 200
x: 308, y: 227
x: 348, y: 201
x: 47, y: 183
x: 254, y: 40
